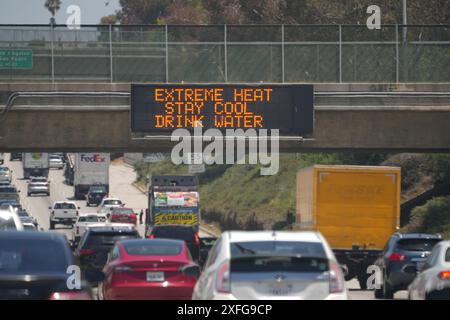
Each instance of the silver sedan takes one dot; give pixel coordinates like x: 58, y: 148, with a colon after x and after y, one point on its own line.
x: 433, y: 279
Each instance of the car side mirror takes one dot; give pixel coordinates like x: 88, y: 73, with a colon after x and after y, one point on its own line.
x: 192, y: 270
x: 411, y: 269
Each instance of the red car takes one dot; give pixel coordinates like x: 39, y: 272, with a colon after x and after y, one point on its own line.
x: 143, y: 269
x: 123, y: 215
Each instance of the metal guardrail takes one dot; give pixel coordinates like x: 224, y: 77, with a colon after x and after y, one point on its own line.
x: 230, y: 53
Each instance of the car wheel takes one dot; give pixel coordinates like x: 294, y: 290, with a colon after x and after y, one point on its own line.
x: 362, y: 279
x: 388, y: 291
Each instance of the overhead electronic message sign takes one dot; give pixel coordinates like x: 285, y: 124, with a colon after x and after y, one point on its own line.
x: 162, y: 108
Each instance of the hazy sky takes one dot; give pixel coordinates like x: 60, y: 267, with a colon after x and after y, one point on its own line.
x: 34, y: 12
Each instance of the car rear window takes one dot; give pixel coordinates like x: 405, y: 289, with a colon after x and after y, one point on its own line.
x: 97, y: 190
x: 108, y: 238
x: 278, y: 264
x: 65, y: 206
x: 313, y: 249
x: 123, y: 211
x: 186, y: 234
x: 153, y: 248
x: 8, y: 189
x: 89, y: 219
x: 38, y: 180
x: 25, y: 256
x: 112, y: 202
x: 417, y: 244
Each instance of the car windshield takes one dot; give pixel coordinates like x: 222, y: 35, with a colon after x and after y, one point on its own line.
x: 310, y: 249
x: 108, y: 238
x: 89, y: 219
x: 65, y: 206
x: 153, y: 248
x: 112, y: 202
x: 23, y: 213
x: 172, y: 232
x: 8, y: 189
x: 417, y: 244
x: 123, y: 211
x: 4, y: 169
x: 29, y: 256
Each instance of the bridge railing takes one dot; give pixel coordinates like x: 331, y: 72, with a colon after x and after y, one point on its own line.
x: 225, y: 53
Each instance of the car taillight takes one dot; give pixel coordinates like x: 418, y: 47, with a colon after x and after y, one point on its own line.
x: 396, y: 257
x: 122, y: 269
x: 223, y: 279
x: 336, y: 278
x: 197, y: 239
x: 74, y: 295
x: 86, y: 251
x: 444, y: 275
x: 152, y: 236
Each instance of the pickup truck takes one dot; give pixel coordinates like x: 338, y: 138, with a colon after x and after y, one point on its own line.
x: 82, y: 223
x: 63, y: 212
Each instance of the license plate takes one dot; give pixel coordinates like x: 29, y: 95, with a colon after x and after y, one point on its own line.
x: 64, y: 211
x: 280, y: 290
x: 155, y: 276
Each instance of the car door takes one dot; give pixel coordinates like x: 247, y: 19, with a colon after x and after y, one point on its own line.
x: 205, y: 284
x: 113, y: 256
x: 425, y: 276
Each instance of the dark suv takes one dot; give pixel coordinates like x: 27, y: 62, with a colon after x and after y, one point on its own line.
x: 179, y: 232
x: 95, y: 244
x: 95, y: 195
x: 402, y: 251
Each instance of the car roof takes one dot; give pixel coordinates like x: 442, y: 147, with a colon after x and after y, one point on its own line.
x: 418, y: 236
x: 17, y: 235
x: 107, y: 226
x: 245, y: 236
x: 109, y: 198
x: 71, y: 202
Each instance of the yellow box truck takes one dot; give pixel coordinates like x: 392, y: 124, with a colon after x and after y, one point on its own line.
x: 356, y: 208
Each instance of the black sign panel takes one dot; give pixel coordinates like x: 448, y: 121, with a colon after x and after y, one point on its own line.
x: 162, y: 108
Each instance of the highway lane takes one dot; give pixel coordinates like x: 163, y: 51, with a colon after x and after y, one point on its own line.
x: 121, y: 178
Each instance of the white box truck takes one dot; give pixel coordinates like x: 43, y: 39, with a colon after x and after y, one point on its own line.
x: 90, y: 169
x: 35, y: 164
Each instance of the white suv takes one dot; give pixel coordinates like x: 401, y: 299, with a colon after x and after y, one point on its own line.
x: 108, y: 204
x: 271, y: 265
x: 63, y: 212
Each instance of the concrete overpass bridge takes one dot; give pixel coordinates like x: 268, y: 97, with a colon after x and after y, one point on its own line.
x: 390, y: 117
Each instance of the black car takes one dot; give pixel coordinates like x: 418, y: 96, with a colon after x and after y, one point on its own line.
x: 15, y: 156
x: 35, y: 265
x: 95, y: 244
x: 179, y: 232
x: 401, y: 252
x: 95, y: 195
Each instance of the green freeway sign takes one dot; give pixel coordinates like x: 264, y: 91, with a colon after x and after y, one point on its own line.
x: 16, y: 59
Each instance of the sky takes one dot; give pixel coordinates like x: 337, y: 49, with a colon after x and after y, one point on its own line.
x: 34, y: 12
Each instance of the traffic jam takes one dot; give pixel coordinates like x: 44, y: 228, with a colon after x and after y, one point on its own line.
x: 90, y: 244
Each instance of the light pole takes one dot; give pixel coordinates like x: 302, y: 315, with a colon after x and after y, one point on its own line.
x: 405, y: 20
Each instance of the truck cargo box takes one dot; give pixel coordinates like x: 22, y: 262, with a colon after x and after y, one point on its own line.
x: 354, y: 207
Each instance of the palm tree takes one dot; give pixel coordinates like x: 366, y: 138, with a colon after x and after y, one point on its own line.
x: 53, y: 6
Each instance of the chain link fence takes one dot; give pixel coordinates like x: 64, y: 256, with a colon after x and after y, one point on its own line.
x: 225, y: 53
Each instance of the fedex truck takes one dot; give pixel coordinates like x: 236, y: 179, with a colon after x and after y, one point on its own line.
x: 35, y: 164
x: 90, y: 169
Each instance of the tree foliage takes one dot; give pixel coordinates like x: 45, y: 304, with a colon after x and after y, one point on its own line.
x: 279, y: 11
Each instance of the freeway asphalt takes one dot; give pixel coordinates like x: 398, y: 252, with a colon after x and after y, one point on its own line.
x: 121, y: 179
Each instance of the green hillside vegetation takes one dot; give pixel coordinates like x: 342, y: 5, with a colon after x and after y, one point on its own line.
x: 432, y: 217
x: 237, y: 196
